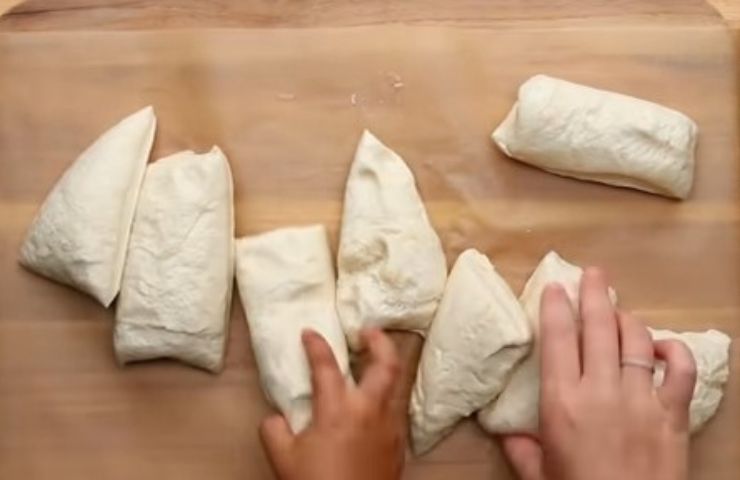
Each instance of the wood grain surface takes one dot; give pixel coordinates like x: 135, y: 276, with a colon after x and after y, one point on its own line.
x: 279, y: 102
x: 127, y: 14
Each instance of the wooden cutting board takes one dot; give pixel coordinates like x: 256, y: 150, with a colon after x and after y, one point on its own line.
x: 287, y: 107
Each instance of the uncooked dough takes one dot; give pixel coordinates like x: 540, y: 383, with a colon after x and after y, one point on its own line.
x: 517, y: 408
x: 176, y: 291
x: 392, y: 269
x: 80, y: 234
x: 711, y: 351
x: 286, y: 284
x: 590, y: 134
x: 478, y: 335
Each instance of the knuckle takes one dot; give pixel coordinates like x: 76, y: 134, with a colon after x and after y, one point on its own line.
x: 393, y: 367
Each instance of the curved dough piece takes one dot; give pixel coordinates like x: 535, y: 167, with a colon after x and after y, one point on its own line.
x: 478, y: 335
x: 392, y: 269
x: 176, y: 291
x: 711, y: 351
x: 286, y: 284
x: 517, y: 408
x: 80, y: 234
x: 582, y: 132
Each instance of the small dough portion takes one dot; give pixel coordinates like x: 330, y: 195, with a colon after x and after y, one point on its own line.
x: 391, y: 266
x: 478, y: 335
x: 177, y: 283
x: 80, y: 234
x: 516, y: 410
x: 711, y: 351
x: 286, y: 284
x: 591, y: 134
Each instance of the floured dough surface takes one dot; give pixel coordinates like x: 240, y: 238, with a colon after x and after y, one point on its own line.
x: 177, y: 283
x: 517, y: 408
x: 478, y: 335
x: 591, y: 134
x: 391, y: 267
x: 711, y: 351
x: 80, y: 234
x: 286, y: 283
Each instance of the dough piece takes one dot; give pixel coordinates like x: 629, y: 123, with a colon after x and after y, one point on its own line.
x: 517, y: 408
x: 392, y: 269
x: 711, y: 351
x: 176, y: 292
x: 581, y: 132
x: 286, y: 284
x: 80, y: 234
x: 478, y: 335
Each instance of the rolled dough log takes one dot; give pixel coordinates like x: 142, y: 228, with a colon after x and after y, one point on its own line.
x: 392, y: 269
x: 286, y: 284
x: 582, y: 132
x: 80, y: 235
x: 177, y: 283
x: 478, y: 335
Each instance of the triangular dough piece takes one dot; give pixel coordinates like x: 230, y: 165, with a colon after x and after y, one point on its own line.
x: 286, y: 284
x: 176, y: 290
x: 711, y: 351
x: 478, y: 335
x: 80, y: 234
x: 517, y: 408
x: 391, y: 265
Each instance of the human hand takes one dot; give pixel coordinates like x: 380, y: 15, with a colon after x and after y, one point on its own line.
x: 354, y: 433
x: 601, y: 418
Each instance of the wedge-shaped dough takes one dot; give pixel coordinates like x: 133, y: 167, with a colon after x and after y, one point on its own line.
x: 286, y: 284
x: 581, y: 132
x: 177, y: 283
x: 478, y: 335
x: 392, y: 269
x: 711, y: 351
x: 80, y: 234
x: 517, y: 408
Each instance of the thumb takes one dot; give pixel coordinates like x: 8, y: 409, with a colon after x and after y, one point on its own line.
x: 277, y: 440
x: 525, y: 456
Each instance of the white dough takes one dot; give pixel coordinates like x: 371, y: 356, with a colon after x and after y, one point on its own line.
x: 176, y: 292
x: 478, y: 335
x: 711, y: 351
x: 392, y: 269
x: 80, y: 234
x: 286, y: 284
x: 590, y: 134
x: 517, y: 408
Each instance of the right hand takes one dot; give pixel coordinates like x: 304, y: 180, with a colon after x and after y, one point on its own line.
x: 601, y: 419
x: 355, y: 433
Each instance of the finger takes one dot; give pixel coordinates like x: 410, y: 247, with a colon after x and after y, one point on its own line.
x: 636, y: 345
x: 559, y: 361
x: 384, y: 368
x: 525, y: 456
x: 326, y: 379
x: 277, y: 440
x: 680, y: 376
x: 600, y: 336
